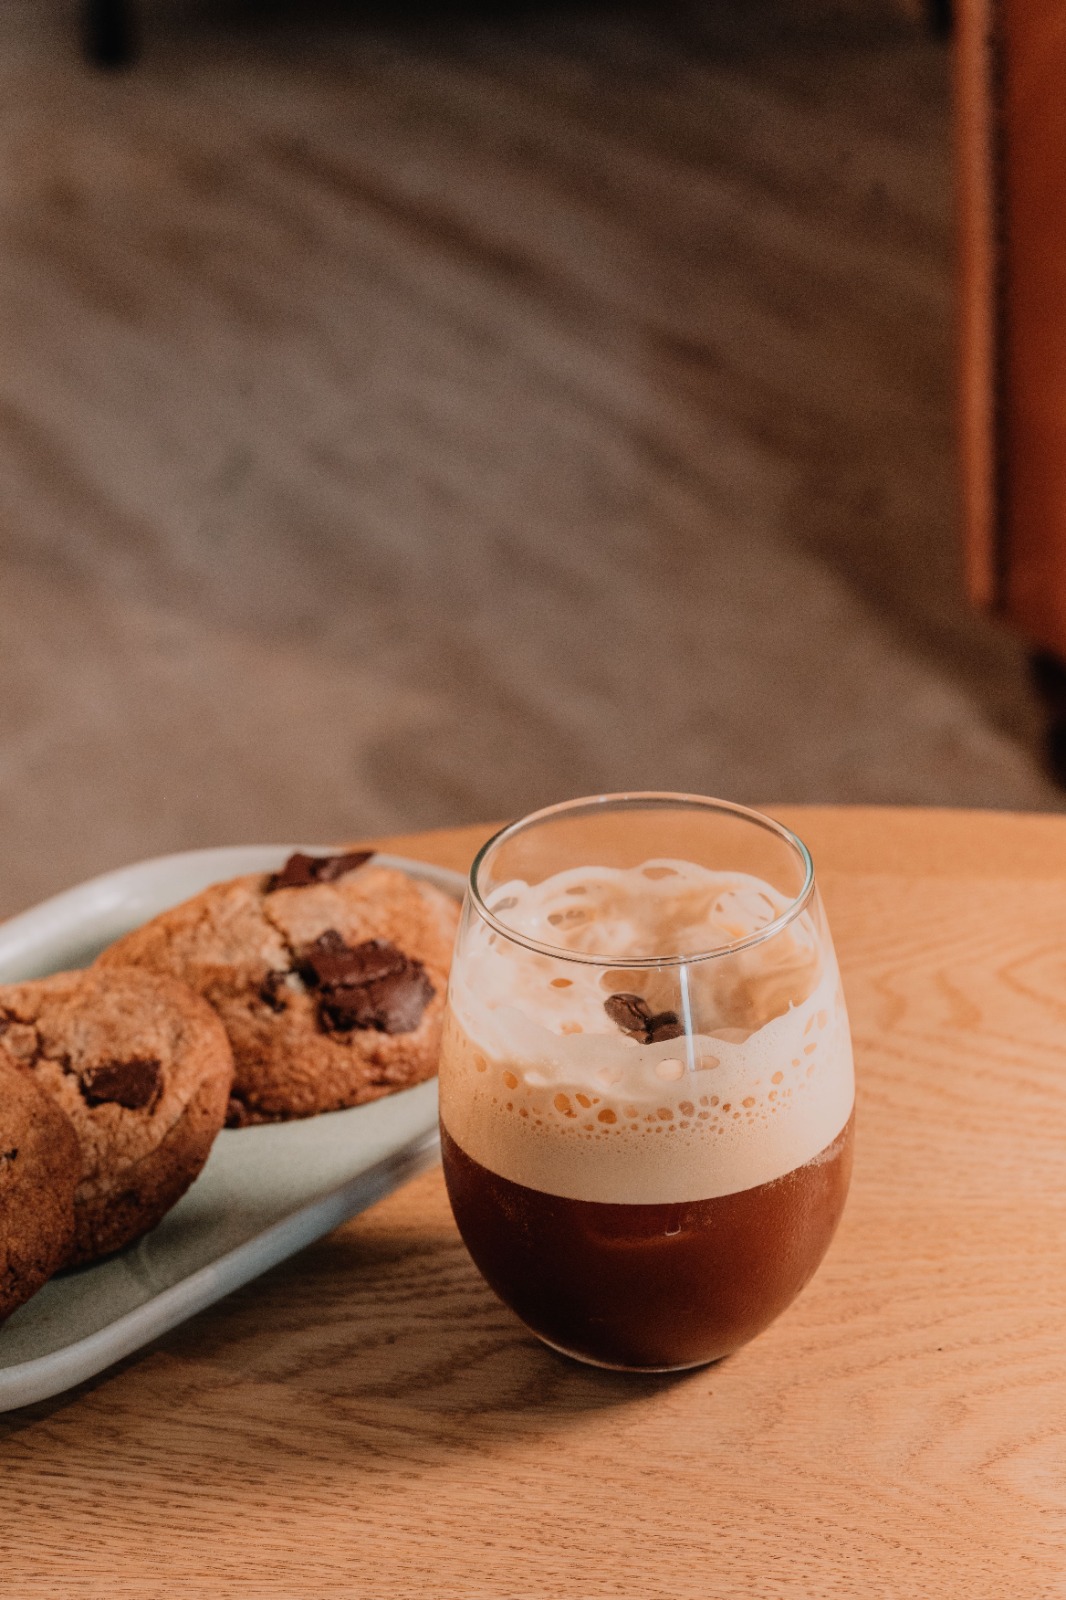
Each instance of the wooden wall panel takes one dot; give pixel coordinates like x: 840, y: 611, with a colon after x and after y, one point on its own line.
x: 1034, y: 273
x: 1011, y: 129
x: 976, y: 197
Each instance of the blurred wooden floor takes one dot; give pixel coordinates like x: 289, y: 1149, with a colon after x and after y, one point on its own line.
x: 411, y: 415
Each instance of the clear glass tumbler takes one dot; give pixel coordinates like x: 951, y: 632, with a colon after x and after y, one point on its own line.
x: 646, y: 1082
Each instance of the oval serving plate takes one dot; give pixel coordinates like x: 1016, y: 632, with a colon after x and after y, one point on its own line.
x: 265, y: 1191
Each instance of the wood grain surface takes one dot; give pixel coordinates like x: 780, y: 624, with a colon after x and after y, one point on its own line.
x: 369, y: 1421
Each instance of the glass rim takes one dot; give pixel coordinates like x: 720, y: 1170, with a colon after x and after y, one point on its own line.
x: 649, y: 798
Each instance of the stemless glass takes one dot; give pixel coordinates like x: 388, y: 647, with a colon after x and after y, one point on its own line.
x: 646, y: 1083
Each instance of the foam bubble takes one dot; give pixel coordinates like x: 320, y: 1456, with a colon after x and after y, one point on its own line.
x: 540, y: 1086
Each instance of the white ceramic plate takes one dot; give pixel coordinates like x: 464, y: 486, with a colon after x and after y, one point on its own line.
x: 265, y: 1191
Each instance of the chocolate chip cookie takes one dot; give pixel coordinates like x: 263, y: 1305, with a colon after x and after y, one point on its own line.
x: 329, y: 976
x: 142, y: 1068
x: 40, y: 1166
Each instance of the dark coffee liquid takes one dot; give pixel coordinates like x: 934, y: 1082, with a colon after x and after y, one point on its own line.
x: 652, y: 1286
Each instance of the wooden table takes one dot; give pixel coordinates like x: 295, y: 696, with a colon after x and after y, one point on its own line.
x: 368, y: 1421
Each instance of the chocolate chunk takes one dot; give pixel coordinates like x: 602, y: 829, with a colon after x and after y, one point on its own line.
x: 9, y: 1155
x: 300, y: 871
x: 272, y: 990
x: 330, y: 962
x: 661, y: 1019
x: 327, y: 869
x: 342, y: 1010
x: 369, y: 985
x: 629, y: 1012
x: 133, y: 1084
x: 392, y: 1004
x: 401, y: 998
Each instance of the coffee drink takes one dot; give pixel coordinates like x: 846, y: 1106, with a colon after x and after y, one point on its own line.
x: 646, y: 1106
x: 650, y: 1286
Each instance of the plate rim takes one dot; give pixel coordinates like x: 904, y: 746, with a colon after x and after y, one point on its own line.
x: 43, y: 1377
x: 35, y: 921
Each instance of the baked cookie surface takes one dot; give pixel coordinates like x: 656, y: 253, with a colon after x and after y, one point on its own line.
x: 330, y: 977
x: 142, y: 1069
x: 40, y: 1167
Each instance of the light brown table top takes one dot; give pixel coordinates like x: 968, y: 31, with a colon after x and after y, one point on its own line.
x: 369, y: 1421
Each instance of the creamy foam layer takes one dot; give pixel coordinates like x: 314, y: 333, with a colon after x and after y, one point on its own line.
x: 540, y: 1086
